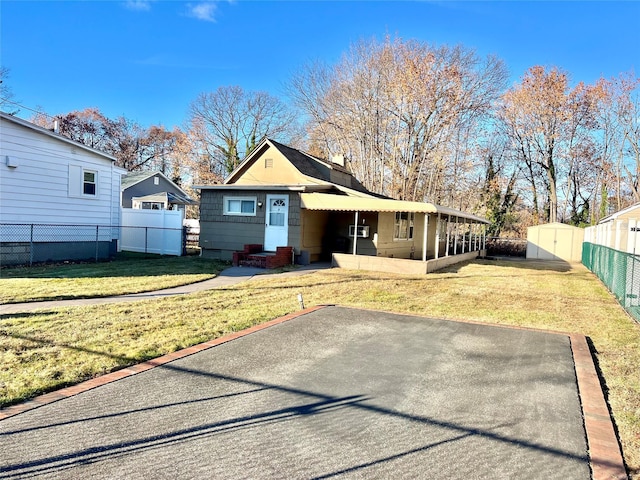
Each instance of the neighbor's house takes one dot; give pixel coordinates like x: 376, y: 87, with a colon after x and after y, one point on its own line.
x: 60, y: 200
x: 153, y: 191
x: 618, y: 230
x: 279, y: 196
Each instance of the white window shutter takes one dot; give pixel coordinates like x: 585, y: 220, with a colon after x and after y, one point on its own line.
x: 75, y: 181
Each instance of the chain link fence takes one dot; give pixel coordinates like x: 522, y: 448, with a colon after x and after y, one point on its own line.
x: 619, y: 271
x: 29, y: 244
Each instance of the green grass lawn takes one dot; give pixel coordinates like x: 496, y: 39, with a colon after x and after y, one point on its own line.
x: 129, y: 273
x: 43, y: 351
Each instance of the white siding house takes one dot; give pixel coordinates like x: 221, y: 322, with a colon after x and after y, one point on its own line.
x: 59, y: 200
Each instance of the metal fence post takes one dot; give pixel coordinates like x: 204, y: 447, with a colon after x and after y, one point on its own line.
x: 97, y: 236
x: 31, y: 247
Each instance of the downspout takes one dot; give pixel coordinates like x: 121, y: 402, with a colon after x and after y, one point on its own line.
x: 355, y: 234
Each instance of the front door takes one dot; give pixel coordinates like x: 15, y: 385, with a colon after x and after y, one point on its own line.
x: 276, y: 231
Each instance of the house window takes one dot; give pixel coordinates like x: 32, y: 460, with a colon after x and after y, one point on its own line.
x: 89, y: 181
x: 403, y: 228
x: 152, y: 206
x: 245, y: 206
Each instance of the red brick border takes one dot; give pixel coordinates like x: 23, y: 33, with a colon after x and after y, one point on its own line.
x: 604, y: 450
x: 605, y: 456
x: 141, y: 367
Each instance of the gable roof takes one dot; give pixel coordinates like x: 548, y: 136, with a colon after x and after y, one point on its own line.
x: 307, y: 164
x: 133, y: 178
x: 54, y: 135
x: 178, y: 197
x: 614, y: 216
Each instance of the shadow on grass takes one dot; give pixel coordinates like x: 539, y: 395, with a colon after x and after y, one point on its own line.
x: 519, y: 263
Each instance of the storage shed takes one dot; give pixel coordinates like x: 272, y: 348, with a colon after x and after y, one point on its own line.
x: 555, y: 241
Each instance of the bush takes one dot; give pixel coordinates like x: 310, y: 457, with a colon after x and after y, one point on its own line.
x: 506, y: 247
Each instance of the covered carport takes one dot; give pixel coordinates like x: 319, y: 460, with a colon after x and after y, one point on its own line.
x: 382, y: 233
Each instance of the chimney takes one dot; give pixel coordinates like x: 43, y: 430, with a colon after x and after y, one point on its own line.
x: 338, y: 160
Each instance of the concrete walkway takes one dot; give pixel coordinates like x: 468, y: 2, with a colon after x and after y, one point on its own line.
x: 227, y: 277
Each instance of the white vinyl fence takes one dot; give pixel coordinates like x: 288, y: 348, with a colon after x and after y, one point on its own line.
x: 152, y: 231
x: 622, y: 235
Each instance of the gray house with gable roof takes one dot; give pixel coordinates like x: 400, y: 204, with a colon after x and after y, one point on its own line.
x: 283, y: 197
x: 150, y: 190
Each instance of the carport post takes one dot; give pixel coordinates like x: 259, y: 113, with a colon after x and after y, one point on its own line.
x: 438, y: 236
x: 464, y: 236
x: 355, y: 234
x: 464, y: 241
x: 424, y: 237
x: 448, y: 236
x: 455, y: 237
x: 475, y: 237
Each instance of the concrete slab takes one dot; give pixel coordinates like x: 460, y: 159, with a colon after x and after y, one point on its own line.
x: 334, y: 393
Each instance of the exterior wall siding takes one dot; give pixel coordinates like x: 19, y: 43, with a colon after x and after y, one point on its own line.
x: 279, y: 171
x: 221, y: 235
x: 37, y: 189
x: 388, y: 247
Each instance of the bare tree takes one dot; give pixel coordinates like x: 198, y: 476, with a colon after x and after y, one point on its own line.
x: 398, y: 110
x: 135, y: 148
x: 7, y: 102
x: 228, y: 123
x: 548, y: 124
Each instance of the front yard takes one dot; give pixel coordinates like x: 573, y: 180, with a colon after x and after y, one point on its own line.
x: 43, y: 351
x: 129, y: 273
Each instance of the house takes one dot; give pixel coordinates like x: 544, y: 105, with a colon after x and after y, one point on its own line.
x: 153, y: 191
x: 279, y: 196
x: 618, y: 230
x: 60, y: 200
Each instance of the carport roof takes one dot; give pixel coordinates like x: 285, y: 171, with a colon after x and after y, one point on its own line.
x: 343, y: 203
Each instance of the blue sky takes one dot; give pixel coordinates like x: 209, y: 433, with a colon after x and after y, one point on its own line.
x: 147, y: 60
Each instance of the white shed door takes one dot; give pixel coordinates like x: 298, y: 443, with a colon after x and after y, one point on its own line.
x: 276, y: 231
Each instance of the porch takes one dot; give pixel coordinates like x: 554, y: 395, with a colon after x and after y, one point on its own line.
x: 389, y: 235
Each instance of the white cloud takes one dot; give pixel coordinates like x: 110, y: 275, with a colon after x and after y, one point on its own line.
x: 202, y: 11
x: 139, y: 5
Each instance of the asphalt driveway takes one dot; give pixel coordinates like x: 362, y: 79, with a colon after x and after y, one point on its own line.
x: 335, y: 393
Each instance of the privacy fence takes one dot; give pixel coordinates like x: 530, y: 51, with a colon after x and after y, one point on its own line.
x: 28, y: 244
x: 612, y: 252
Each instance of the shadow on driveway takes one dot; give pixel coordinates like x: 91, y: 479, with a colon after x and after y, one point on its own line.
x: 334, y: 393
